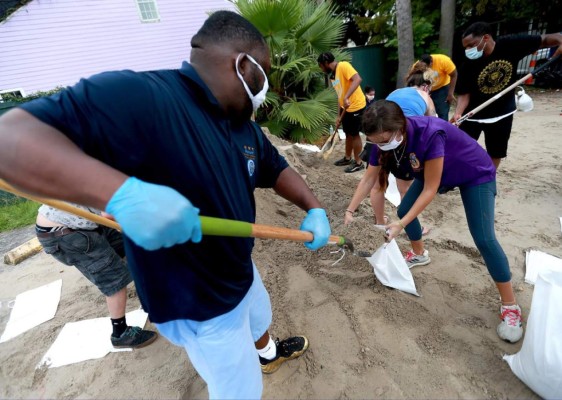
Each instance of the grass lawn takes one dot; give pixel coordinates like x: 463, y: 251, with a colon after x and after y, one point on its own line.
x: 16, y: 212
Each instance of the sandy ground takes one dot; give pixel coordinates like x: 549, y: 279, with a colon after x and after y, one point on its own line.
x: 366, y: 340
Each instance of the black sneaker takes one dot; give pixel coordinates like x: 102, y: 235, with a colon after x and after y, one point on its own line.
x: 343, y: 161
x: 134, y: 337
x: 354, y: 167
x: 286, y: 350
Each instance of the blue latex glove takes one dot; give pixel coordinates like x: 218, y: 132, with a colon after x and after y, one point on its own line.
x: 154, y: 216
x: 316, y: 222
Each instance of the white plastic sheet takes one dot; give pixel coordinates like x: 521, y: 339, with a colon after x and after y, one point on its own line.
x: 32, y: 308
x: 308, y: 147
x: 539, y: 362
x: 391, y: 269
x: 86, y: 340
x: 536, y: 261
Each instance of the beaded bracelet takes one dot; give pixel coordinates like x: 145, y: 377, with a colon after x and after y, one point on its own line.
x: 401, y: 224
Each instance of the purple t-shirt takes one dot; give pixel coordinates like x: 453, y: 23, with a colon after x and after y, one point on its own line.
x: 466, y: 163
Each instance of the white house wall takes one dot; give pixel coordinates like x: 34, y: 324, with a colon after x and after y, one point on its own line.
x: 50, y: 43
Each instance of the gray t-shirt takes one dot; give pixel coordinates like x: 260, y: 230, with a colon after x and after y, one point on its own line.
x: 70, y: 220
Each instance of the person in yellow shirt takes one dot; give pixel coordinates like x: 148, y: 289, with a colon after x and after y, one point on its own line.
x: 346, y: 80
x: 444, y: 82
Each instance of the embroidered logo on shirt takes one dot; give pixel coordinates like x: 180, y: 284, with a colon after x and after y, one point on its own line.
x: 250, y: 154
x: 495, y: 76
x: 251, y: 167
x: 414, y: 162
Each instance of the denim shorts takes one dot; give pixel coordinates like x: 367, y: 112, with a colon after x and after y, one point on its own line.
x: 97, y: 254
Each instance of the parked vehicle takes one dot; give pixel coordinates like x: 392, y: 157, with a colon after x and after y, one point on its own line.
x: 524, y: 66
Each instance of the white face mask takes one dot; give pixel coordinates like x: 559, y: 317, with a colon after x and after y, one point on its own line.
x: 370, y: 98
x: 258, y: 99
x: 473, y: 53
x: 394, y: 143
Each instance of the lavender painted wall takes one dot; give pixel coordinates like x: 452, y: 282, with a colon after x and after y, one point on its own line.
x: 50, y: 43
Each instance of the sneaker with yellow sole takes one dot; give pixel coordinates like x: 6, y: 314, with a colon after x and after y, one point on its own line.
x: 287, y: 349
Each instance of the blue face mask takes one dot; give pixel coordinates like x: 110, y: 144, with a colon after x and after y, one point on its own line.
x: 473, y: 53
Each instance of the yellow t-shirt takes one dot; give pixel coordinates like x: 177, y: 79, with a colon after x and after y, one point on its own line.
x: 344, y: 72
x: 442, y: 66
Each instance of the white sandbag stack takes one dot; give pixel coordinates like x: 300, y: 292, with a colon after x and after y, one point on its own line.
x: 539, y: 362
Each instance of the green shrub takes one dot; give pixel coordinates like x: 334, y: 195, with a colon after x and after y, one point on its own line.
x: 10, y: 98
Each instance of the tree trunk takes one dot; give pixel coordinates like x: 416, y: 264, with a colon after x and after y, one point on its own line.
x: 447, y: 26
x: 405, y: 39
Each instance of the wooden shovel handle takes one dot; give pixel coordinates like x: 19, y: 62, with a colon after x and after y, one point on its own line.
x: 209, y: 225
x: 61, y: 205
x: 274, y: 232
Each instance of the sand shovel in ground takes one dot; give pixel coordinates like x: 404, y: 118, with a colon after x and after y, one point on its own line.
x: 209, y: 225
x: 330, y: 144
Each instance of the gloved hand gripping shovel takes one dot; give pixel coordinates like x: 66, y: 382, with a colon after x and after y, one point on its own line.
x: 209, y: 225
x: 506, y: 90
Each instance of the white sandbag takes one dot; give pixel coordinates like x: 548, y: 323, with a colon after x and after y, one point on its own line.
x: 536, y: 261
x: 391, y: 268
x: 539, y: 362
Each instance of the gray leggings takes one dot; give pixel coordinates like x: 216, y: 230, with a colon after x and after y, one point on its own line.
x: 479, y: 204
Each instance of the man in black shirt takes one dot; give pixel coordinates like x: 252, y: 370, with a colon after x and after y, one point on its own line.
x: 490, y: 68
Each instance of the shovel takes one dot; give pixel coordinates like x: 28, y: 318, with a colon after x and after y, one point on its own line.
x: 210, y: 226
x: 329, y: 145
x: 506, y: 90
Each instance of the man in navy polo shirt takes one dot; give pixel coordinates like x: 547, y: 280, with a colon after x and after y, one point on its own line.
x: 156, y: 149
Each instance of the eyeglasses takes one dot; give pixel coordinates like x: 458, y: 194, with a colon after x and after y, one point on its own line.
x: 389, y: 140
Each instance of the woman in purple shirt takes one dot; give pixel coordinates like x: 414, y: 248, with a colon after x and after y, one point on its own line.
x: 442, y: 157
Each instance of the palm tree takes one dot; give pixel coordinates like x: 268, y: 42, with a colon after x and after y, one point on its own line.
x: 405, y: 38
x: 299, y: 106
x: 447, y: 26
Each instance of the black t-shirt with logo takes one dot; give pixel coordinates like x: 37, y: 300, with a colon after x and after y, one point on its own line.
x: 486, y: 76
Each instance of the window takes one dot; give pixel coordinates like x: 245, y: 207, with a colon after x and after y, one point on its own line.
x: 148, y: 10
x: 17, y: 93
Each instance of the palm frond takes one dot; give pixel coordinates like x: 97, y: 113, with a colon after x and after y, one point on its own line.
x: 298, y: 134
x: 277, y: 127
x: 298, y: 104
x: 272, y: 100
x: 274, y: 19
x: 309, y: 114
x: 321, y: 31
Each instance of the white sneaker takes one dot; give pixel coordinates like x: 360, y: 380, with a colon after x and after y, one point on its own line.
x: 416, y: 260
x: 511, y: 328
